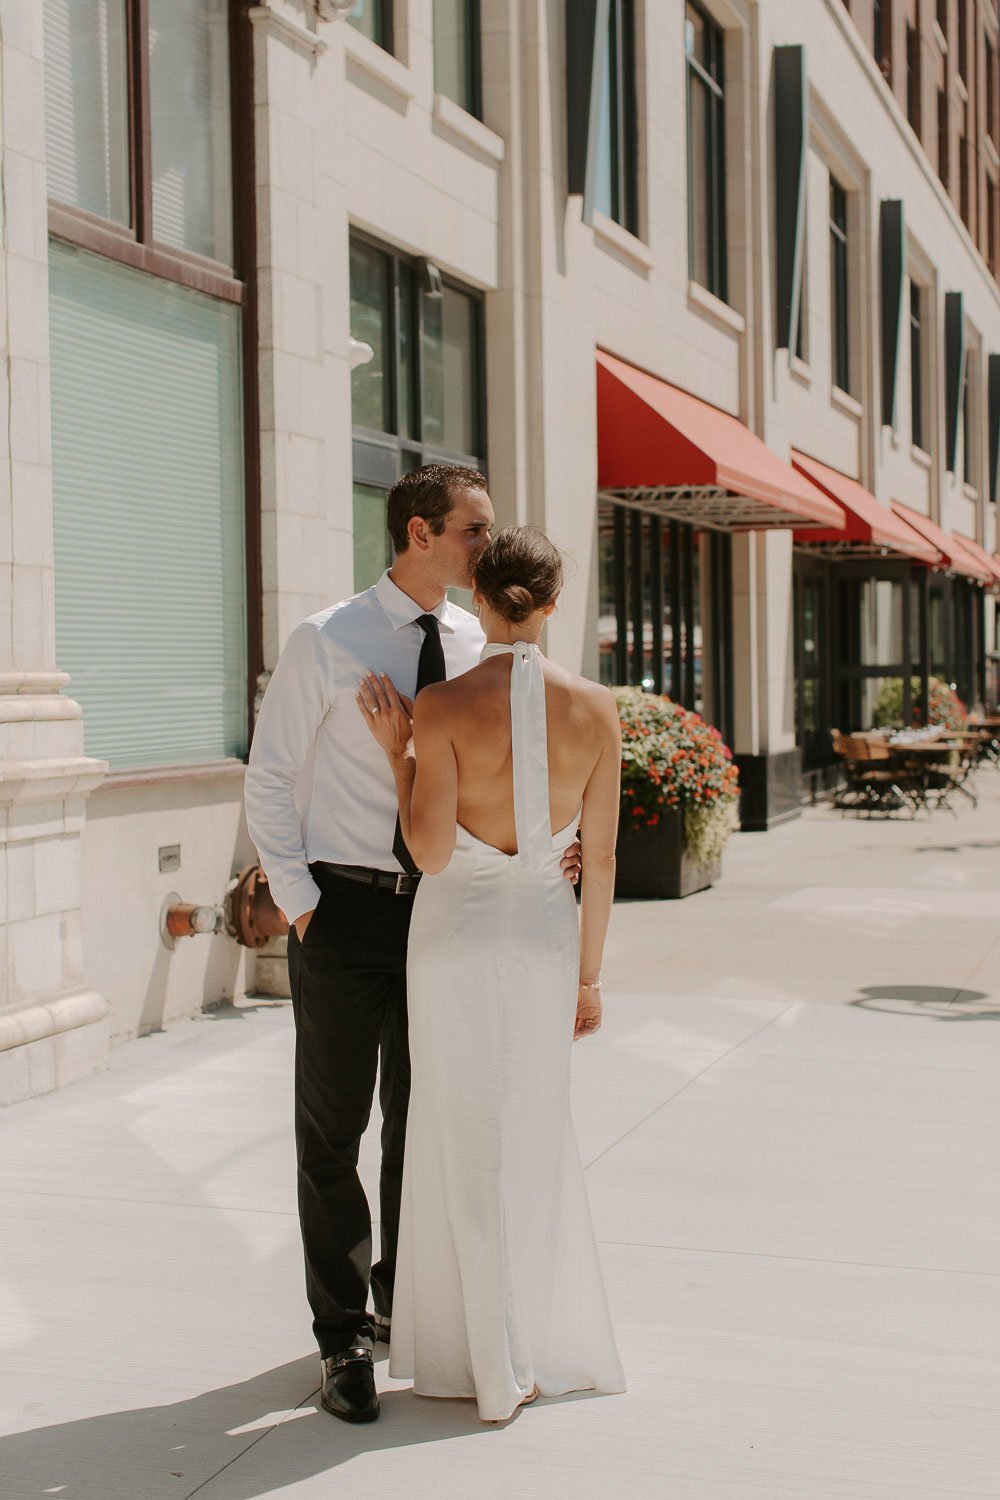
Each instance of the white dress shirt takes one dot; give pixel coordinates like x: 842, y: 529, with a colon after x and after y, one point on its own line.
x: 318, y: 786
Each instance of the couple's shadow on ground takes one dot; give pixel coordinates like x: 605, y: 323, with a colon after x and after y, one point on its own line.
x: 205, y: 1445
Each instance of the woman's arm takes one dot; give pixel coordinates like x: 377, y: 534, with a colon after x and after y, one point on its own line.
x: 427, y: 790
x: 599, y: 834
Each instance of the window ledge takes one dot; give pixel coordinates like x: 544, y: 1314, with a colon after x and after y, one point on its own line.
x: 846, y: 402
x: 940, y: 38
x: 470, y: 131
x: 969, y: 491
x: 920, y: 456
x: 961, y: 88
x: 800, y: 371
x: 992, y: 154
x: 706, y: 302
x: 209, y: 770
x: 613, y: 236
x: 379, y: 64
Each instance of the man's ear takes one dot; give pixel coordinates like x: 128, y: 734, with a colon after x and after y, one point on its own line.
x: 419, y: 533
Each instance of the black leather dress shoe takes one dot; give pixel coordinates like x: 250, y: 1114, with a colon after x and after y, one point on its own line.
x: 349, y: 1385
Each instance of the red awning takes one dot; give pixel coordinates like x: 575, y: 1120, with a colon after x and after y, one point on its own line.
x: 871, y: 528
x: 955, y: 555
x: 990, y: 564
x: 663, y: 450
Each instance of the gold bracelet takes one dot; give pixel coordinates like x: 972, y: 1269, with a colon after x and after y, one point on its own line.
x: 589, y: 984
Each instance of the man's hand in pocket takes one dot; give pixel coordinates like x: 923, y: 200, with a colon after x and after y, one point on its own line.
x: 302, y: 923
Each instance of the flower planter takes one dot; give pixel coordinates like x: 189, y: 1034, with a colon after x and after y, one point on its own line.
x: 652, y: 863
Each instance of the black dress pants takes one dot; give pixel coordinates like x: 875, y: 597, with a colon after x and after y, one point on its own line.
x: 348, y: 983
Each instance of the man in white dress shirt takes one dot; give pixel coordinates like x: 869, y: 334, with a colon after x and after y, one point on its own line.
x: 321, y: 808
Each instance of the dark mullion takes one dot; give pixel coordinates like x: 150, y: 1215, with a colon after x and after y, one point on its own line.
x: 689, y: 644
x: 396, y: 365
x: 141, y: 142
x: 638, y: 666
x: 620, y: 558
x: 728, y: 724
x: 656, y: 598
x: 719, y: 181
x: 676, y: 613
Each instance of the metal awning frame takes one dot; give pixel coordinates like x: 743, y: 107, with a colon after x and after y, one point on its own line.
x: 711, y: 508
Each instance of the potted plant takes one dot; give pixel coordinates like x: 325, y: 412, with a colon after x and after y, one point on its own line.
x: 679, y: 801
x: 945, y: 707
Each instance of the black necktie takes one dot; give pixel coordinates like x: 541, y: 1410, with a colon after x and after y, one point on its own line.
x: 430, y: 668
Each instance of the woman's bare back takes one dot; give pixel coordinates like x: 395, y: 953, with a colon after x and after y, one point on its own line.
x: 476, y: 708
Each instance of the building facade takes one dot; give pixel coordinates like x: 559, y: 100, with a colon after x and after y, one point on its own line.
x: 677, y: 275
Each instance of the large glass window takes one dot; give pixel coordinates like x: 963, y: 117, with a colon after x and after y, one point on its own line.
x: 86, y: 106
x: 456, y: 52
x: 913, y: 76
x: 916, y: 367
x: 616, y: 171
x: 373, y: 18
x: 839, y: 286
x: 882, y: 37
x: 943, y: 138
x: 416, y: 388
x: 189, y: 126
x: 969, y: 422
x: 148, y: 506
x: 707, y: 256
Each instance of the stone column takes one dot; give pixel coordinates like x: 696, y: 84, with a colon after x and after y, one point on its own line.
x: 52, y: 1028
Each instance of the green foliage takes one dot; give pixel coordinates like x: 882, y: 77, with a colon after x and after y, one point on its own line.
x: 946, y: 707
x: 672, y: 759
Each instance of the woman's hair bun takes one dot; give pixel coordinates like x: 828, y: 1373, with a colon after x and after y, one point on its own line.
x: 519, y: 572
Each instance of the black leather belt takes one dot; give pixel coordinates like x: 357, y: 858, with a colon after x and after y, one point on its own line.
x: 383, y: 880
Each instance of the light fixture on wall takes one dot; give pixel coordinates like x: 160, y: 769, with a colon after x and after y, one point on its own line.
x: 359, y: 352
x: 429, y: 279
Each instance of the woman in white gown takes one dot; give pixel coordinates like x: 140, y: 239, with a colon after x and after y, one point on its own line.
x: 498, y: 1291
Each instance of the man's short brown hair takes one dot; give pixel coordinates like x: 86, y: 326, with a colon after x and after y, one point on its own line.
x: 428, y: 492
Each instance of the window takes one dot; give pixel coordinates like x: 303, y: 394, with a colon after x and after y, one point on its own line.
x: 148, y: 318
x: 942, y: 137
x: 707, y: 255
x: 373, y: 18
x: 882, y: 37
x: 991, y: 226
x: 916, y: 368
x: 991, y: 90
x: 456, y: 52
x: 963, y: 40
x: 114, y: 68
x: 420, y: 394
x: 942, y: 16
x: 913, y: 76
x: 968, y: 424
x: 616, y: 171
x: 963, y: 176
x: 839, y: 288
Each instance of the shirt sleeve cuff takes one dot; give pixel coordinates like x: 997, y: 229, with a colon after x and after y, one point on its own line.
x: 295, y: 900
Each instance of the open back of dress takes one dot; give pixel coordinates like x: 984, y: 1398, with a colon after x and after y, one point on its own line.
x: 498, y: 1286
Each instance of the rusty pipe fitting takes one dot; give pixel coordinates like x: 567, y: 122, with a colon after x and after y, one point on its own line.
x: 252, y: 918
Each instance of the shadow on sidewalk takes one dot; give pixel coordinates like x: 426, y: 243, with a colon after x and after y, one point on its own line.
x: 213, y: 1445
x: 939, y: 1002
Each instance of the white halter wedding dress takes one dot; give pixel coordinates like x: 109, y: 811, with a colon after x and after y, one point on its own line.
x: 498, y: 1287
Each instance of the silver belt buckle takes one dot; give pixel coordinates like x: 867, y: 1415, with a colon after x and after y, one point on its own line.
x: 406, y: 885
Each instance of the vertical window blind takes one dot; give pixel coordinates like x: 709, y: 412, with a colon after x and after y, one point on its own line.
x: 149, y: 512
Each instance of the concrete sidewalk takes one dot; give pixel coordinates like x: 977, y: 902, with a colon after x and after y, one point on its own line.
x: 790, y: 1123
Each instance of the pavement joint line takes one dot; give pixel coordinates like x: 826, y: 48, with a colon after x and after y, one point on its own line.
x: 685, y: 1086
x: 306, y: 1400
x: 816, y: 1260
x: 278, y: 1213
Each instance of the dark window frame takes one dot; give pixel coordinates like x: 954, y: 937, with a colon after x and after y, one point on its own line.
x: 380, y: 457
x: 473, y: 59
x: 962, y: 61
x: 133, y: 244
x: 917, y: 365
x: 914, y: 76
x: 882, y: 37
x: 709, y: 75
x: 840, y: 286
x: 968, y: 426
x: 624, y: 118
x: 990, y: 64
x: 943, y: 139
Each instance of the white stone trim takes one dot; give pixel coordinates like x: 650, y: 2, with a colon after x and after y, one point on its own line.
x: 610, y: 235
x: 374, y: 60
x: 846, y: 402
x: 50, y: 779
x: 209, y: 770
x: 36, y: 1022
x: 701, y: 300
x: 800, y: 370
x: 920, y: 456
x: 32, y: 682
x: 288, y: 30
x: 470, y: 131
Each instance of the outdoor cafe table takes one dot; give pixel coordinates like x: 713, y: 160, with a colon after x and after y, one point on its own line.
x: 921, y: 758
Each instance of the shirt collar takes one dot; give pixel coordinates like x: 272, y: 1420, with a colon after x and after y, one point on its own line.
x: 402, y: 610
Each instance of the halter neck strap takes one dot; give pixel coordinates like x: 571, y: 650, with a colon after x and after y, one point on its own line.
x: 529, y: 750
